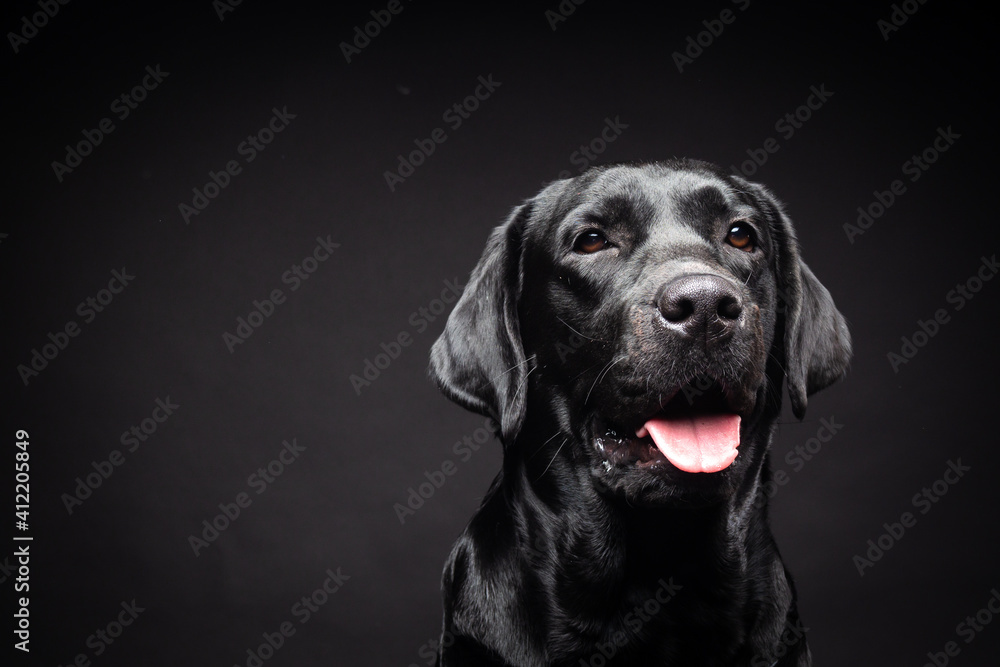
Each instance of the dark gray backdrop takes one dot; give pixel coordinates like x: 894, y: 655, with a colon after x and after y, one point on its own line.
x: 222, y: 74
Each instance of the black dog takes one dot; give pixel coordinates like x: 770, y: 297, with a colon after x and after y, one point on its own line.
x: 629, y: 331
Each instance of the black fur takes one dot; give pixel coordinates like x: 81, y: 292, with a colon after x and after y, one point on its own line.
x: 579, y: 555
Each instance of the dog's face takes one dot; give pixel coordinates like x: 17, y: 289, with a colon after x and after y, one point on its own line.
x: 650, y: 312
x: 649, y: 306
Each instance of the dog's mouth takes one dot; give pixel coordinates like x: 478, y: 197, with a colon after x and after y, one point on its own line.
x: 696, y: 431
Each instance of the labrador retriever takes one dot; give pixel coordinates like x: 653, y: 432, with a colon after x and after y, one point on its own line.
x: 629, y: 331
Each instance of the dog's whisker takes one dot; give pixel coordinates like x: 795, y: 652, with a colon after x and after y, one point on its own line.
x: 584, y: 372
x: 524, y: 382
x: 602, y: 374
x: 777, y: 361
x: 520, y: 363
x: 517, y: 365
x: 578, y: 333
x: 542, y: 446
x: 558, y: 449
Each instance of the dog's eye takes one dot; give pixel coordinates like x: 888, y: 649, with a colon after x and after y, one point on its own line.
x: 591, y: 241
x: 741, y: 236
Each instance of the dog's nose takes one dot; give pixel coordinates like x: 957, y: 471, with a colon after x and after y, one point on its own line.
x: 702, y: 306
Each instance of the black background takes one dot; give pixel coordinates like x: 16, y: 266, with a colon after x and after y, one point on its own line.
x: 324, y: 175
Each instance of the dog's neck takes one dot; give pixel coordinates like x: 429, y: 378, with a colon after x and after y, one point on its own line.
x: 626, y: 556
x: 646, y: 544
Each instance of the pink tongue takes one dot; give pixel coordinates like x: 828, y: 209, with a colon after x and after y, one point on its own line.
x: 699, y: 443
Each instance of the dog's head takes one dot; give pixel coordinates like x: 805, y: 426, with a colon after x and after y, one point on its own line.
x: 649, y: 313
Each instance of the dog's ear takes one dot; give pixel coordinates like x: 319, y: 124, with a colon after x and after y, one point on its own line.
x: 817, y: 343
x: 478, y: 361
